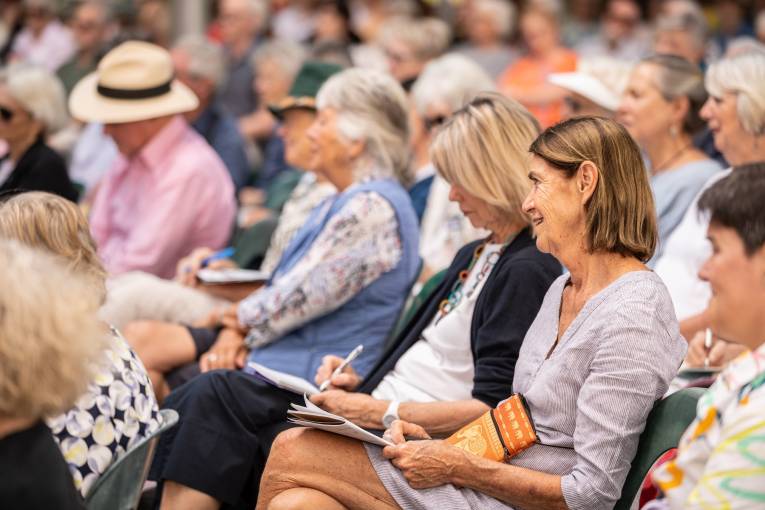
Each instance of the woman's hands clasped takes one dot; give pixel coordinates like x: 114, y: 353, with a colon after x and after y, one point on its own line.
x: 425, y: 463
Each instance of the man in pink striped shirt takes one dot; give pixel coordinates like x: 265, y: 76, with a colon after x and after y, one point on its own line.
x: 169, y: 192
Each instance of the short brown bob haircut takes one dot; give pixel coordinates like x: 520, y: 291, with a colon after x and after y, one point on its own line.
x: 621, y: 215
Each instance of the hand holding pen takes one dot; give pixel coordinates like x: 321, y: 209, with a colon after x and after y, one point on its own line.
x: 186, y: 272
x: 339, y: 369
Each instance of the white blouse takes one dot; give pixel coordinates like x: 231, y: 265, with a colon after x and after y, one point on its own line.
x: 439, y: 366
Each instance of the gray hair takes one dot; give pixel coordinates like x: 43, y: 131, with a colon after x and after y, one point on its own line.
x: 427, y: 38
x: 680, y: 78
x: 502, y: 12
x: 690, y: 23
x: 206, y: 58
x: 260, y: 9
x: 742, y: 74
x: 49, y: 5
x: 452, y: 80
x: 39, y: 92
x: 106, y: 8
x: 371, y: 107
x: 288, y: 55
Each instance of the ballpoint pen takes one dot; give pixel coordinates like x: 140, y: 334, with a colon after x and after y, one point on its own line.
x: 339, y: 370
x: 218, y: 255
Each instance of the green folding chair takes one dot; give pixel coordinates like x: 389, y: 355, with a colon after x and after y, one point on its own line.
x: 119, y: 488
x: 663, y: 430
x: 411, y: 310
x: 251, y: 244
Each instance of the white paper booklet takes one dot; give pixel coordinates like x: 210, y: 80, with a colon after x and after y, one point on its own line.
x: 281, y: 380
x: 219, y: 276
x: 311, y: 415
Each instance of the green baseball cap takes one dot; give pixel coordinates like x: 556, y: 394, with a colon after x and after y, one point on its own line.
x: 308, y: 81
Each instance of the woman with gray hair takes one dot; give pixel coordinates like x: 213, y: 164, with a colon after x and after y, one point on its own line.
x: 276, y: 64
x: 735, y: 113
x: 32, y: 105
x: 444, y: 86
x: 344, y: 277
x: 488, y: 25
x: 409, y: 44
x: 660, y: 109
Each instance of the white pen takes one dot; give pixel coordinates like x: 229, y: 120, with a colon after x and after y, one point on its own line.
x: 707, y: 345
x: 339, y: 370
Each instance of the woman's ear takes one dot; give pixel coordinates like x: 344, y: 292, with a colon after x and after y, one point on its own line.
x: 355, y: 149
x: 587, y: 180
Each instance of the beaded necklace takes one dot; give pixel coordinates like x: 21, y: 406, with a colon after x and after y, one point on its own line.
x: 457, y: 291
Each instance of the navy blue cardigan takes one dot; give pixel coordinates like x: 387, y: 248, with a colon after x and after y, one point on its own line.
x: 505, y: 308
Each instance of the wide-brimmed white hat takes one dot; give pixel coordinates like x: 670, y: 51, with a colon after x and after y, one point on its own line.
x: 133, y: 82
x: 600, y: 79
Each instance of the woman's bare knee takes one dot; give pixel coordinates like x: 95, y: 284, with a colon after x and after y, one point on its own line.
x: 299, y: 499
x: 161, y: 346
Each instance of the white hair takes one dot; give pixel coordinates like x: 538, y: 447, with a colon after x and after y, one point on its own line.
x: 691, y: 24
x: 426, y: 38
x: 744, y: 75
x: 39, y: 92
x: 288, y: 55
x: 452, y: 80
x: 503, y: 12
x: 371, y: 107
x: 206, y: 59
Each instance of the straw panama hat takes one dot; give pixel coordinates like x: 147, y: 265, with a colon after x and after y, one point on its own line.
x: 133, y: 82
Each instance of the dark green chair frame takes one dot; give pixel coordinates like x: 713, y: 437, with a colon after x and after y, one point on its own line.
x: 119, y: 488
x: 410, y: 312
x: 665, y: 426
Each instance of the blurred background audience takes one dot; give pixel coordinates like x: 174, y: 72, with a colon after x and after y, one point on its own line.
x: 186, y: 131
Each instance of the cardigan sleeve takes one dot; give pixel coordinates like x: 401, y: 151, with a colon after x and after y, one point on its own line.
x: 510, y: 302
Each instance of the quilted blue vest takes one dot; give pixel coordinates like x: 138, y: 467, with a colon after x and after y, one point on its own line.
x: 369, y: 316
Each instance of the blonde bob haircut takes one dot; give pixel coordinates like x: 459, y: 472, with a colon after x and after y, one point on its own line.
x: 50, y: 336
x: 483, y: 148
x: 621, y: 215
x: 47, y: 221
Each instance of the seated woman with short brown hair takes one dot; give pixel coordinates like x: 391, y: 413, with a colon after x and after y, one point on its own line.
x: 601, y: 351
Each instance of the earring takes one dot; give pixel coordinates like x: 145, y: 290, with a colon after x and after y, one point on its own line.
x: 673, y: 131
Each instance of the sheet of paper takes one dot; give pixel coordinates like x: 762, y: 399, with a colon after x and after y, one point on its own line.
x: 282, y: 380
x: 218, y: 276
x: 336, y: 425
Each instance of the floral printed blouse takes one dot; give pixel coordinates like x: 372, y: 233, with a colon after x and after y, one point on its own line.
x: 118, y: 409
x: 357, y: 245
x: 721, y: 457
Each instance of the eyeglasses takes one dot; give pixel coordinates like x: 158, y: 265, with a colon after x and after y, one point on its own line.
x: 431, y: 123
x: 6, y: 114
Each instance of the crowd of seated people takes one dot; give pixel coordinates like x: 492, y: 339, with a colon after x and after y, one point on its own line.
x: 488, y: 202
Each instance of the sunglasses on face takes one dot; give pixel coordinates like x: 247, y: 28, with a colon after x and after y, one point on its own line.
x: 6, y: 114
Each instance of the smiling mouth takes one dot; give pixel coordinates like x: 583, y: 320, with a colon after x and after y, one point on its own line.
x: 537, y: 221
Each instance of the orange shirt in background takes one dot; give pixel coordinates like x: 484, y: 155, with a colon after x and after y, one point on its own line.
x: 529, y: 73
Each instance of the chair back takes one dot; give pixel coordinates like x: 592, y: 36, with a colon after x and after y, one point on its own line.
x: 663, y: 430
x: 119, y: 488
x: 251, y: 244
x: 414, y: 305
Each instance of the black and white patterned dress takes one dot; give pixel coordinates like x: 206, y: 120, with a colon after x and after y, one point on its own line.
x: 118, y: 409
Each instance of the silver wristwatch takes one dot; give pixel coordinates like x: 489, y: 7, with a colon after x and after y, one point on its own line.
x: 391, y: 414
